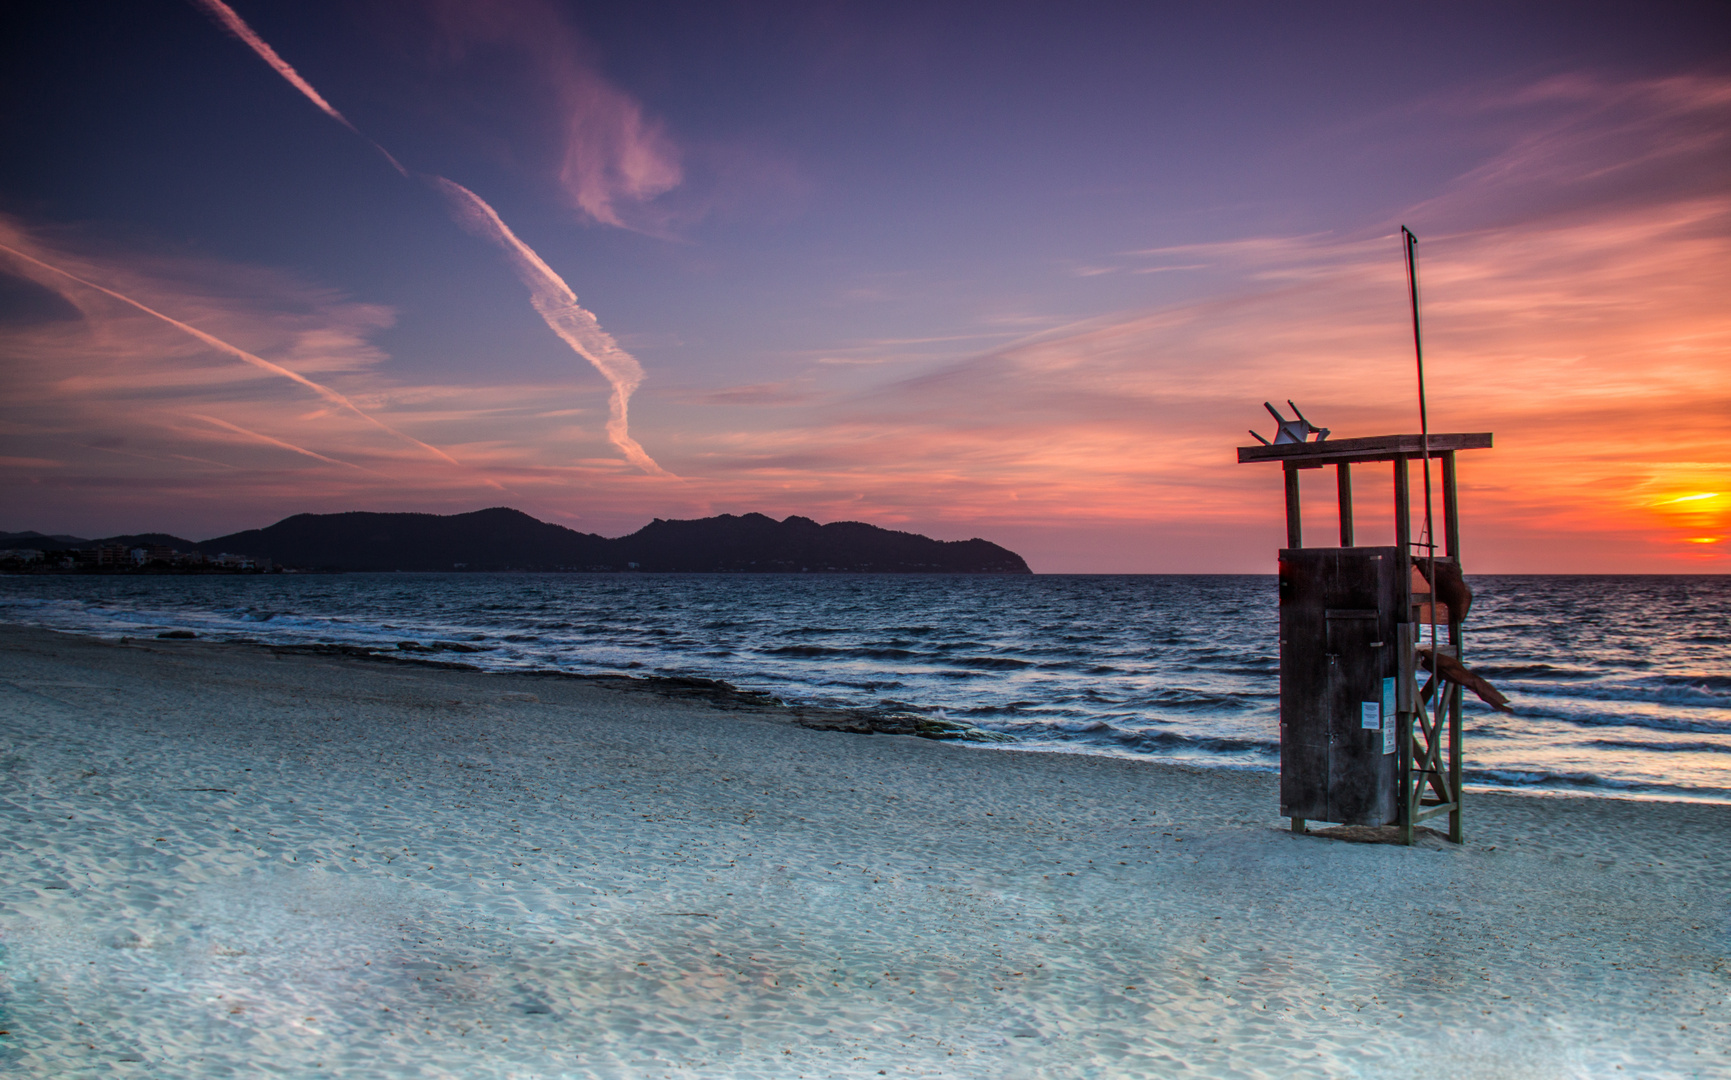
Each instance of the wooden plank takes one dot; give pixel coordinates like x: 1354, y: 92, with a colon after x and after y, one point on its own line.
x: 1451, y: 508
x: 1337, y: 634
x: 1374, y: 448
x: 1303, y: 674
x: 1294, y: 522
x: 1403, y: 524
x: 1427, y: 754
x: 1403, y: 773
x: 1457, y: 833
x: 1343, y: 486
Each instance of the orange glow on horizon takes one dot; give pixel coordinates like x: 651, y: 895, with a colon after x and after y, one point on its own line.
x: 1592, y: 340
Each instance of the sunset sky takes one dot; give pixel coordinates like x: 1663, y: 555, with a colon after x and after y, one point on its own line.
x: 1024, y: 272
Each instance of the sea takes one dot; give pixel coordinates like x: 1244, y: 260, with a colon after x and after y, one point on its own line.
x: 1621, y: 685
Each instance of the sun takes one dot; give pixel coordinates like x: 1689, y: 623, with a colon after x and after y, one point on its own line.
x: 1699, y: 519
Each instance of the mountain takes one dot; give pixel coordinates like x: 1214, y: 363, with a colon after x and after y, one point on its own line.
x: 143, y: 540
x: 497, y: 539
x: 40, y: 542
x: 62, y: 542
x: 505, y: 539
x: 753, y: 543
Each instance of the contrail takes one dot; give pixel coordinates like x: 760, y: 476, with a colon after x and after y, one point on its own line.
x: 237, y: 26
x: 273, y: 442
x: 557, y: 304
x: 551, y: 297
x: 240, y: 354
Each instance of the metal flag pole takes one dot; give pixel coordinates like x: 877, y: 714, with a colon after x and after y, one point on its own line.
x: 1410, y: 243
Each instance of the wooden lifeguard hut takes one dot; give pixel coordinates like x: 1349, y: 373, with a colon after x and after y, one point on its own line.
x: 1361, y: 741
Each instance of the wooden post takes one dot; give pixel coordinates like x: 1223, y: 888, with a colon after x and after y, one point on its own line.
x: 1405, y: 702
x: 1403, y: 566
x: 1294, y: 527
x: 1455, y: 831
x: 1451, y: 508
x: 1343, y: 483
x: 1452, y: 540
x: 1403, y: 526
x: 1402, y: 509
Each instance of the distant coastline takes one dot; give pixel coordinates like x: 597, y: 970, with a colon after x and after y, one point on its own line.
x: 502, y: 540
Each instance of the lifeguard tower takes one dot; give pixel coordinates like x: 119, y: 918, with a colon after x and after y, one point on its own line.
x: 1361, y: 741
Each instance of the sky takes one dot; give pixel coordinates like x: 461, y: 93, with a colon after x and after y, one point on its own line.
x: 1018, y: 271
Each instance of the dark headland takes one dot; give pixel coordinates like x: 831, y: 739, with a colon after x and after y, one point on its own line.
x: 503, y: 539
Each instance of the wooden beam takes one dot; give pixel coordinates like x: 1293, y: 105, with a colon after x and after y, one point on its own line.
x: 1343, y: 485
x: 1403, y: 771
x: 1403, y: 518
x: 1294, y: 525
x: 1452, y: 538
x: 1451, y: 508
x: 1375, y: 448
x: 1457, y: 833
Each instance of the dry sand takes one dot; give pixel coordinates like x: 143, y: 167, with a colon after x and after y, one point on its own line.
x: 222, y: 861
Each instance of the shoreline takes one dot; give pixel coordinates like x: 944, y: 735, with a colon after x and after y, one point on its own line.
x: 1129, y: 668
x: 909, y: 719
x: 218, y: 857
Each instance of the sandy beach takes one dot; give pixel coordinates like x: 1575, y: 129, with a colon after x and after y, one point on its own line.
x: 224, y: 860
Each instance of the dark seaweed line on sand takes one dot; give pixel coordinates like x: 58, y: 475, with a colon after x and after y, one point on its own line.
x: 714, y: 692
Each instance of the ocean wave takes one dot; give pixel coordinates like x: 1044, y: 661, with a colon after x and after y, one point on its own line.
x: 1183, y: 699
x: 1668, y: 690
x: 1583, y: 781
x: 1669, y: 748
x: 1142, y: 740
x: 1519, y: 671
x: 991, y: 663
x: 1213, y: 744
x: 1651, y: 721
x: 1097, y: 665
x: 804, y: 651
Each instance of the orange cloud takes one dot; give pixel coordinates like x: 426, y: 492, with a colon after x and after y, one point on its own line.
x: 171, y: 391
x: 1574, y: 305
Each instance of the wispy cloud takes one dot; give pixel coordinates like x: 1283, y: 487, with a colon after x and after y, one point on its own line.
x: 613, y: 157
x: 1590, y: 334
x: 113, y: 418
x: 624, y: 141
x: 272, y: 441
x: 557, y: 304
x: 235, y: 25
x: 224, y: 347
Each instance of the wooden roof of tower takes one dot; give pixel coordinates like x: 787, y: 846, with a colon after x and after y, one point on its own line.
x: 1374, y: 448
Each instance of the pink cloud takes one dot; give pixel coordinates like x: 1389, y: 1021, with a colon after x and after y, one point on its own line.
x: 48, y: 272
x: 551, y: 297
x: 557, y: 305
x: 612, y: 156
x: 114, y: 418
x: 1589, y: 334
x: 233, y: 23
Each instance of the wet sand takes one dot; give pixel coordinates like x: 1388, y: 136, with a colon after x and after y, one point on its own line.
x: 220, y: 860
